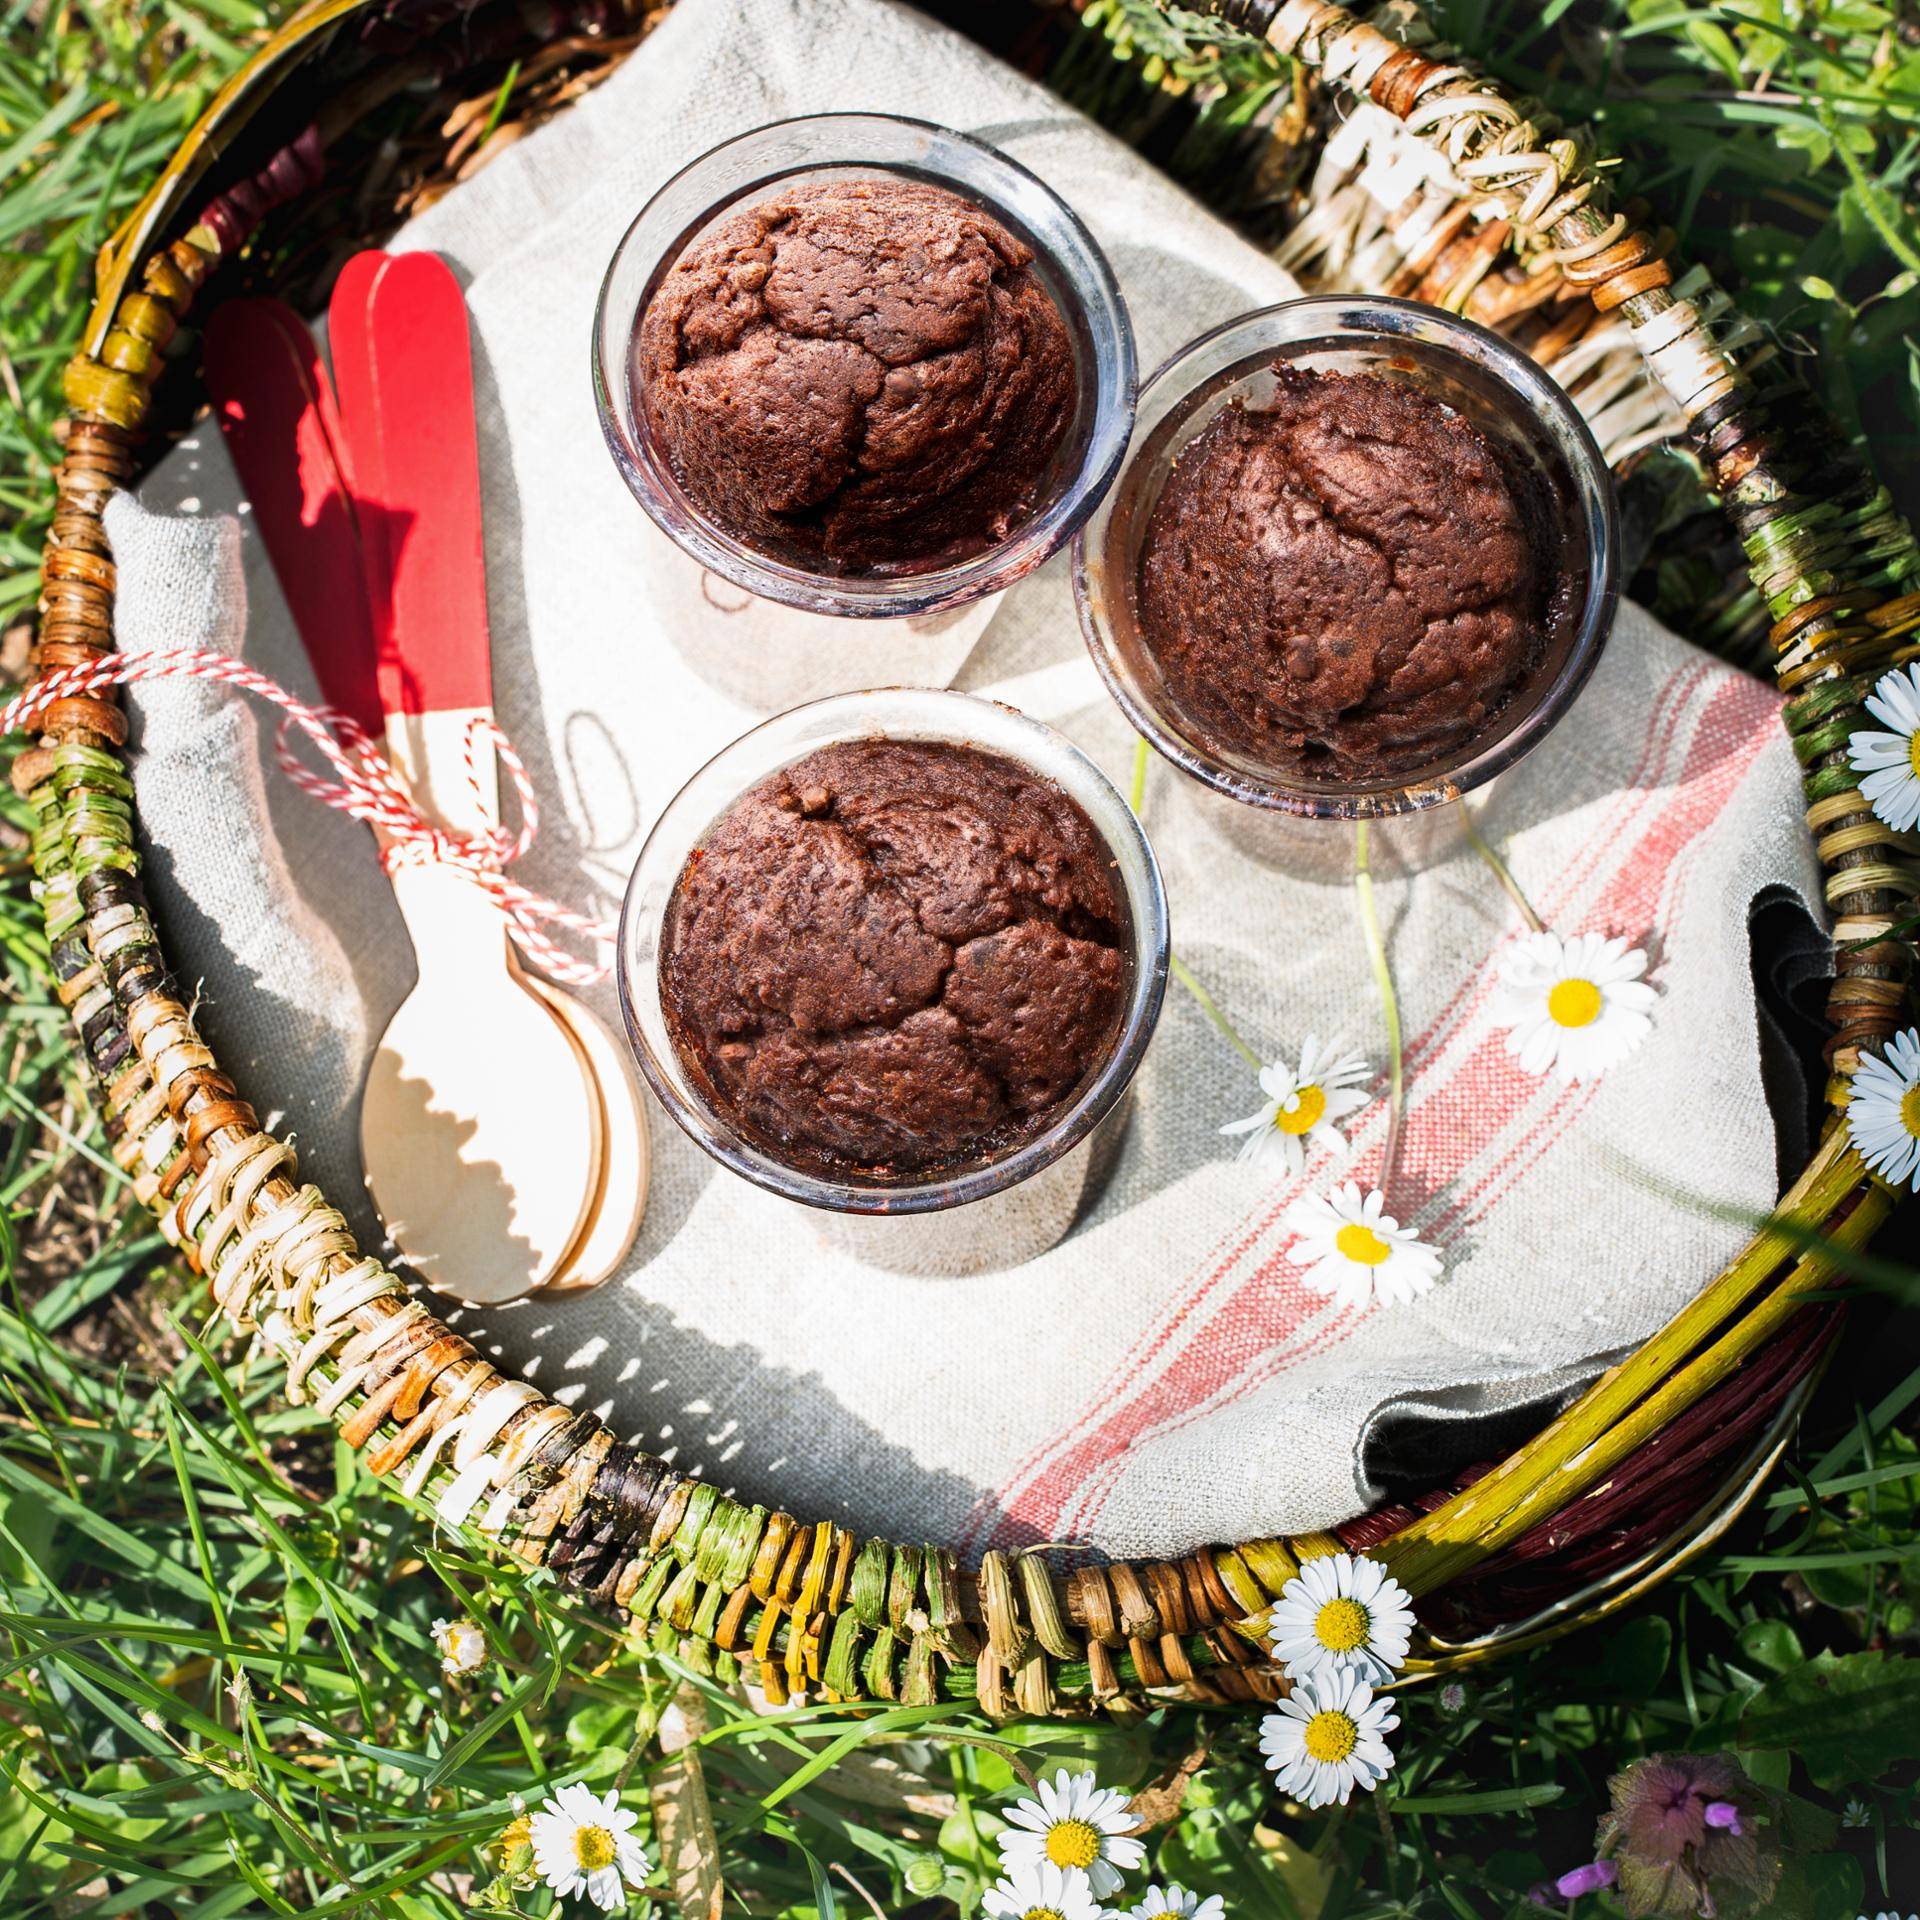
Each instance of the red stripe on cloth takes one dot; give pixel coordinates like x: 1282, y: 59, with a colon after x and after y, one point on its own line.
x: 1732, y: 731
x: 1732, y: 734
x: 1673, y: 703
x: 1447, y: 1130
x: 1641, y: 791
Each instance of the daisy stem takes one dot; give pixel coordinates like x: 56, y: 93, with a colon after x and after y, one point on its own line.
x: 1500, y: 869
x: 1184, y: 974
x: 1137, y: 800
x: 1389, y: 1000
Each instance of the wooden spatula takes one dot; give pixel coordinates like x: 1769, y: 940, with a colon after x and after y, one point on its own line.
x: 480, y: 1127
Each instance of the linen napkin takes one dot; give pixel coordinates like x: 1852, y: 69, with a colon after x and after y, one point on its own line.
x: 1160, y: 1377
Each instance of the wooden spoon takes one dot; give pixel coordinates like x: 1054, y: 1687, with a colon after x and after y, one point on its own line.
x: 275, y: 406
x: 620, y: 1198
x: 481, y: 1130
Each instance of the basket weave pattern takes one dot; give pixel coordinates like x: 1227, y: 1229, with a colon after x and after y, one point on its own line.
x: 1649, y: 1464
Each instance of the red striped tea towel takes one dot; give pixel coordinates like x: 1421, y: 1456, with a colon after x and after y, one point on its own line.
x: 1161, y: 1377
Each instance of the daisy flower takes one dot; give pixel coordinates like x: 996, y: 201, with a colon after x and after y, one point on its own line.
x: 1301, y: 1107
x: 512, y: 1854
x: 1328, y: 1737
x: 462, y: 1645
x: 1576, y: 1007
x: 582, y: 1844
x: 1340, y: 1612
x: 1355, y: 1251
x: 1890, y: 762
x: 1176, y: 1903
x: 1042, y: 1891
x: 1883, y: 1110
x: 1077, y: 1823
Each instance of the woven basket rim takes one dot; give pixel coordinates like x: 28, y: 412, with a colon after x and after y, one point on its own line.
x: 812, y: 1605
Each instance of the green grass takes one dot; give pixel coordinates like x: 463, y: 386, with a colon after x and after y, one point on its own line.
x: 1780, y: 138
x: 218, y: 1690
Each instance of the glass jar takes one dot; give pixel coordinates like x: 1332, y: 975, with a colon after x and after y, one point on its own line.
x: 1293, y: 821
x: 756, y: 166
x: 902, y: 713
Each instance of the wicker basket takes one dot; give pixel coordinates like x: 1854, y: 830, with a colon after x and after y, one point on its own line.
x: 1648, y: 1466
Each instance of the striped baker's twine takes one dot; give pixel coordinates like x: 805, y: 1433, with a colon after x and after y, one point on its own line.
x: 364, y: 784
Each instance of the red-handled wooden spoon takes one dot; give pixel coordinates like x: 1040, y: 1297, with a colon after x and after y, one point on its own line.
x: 480, y: 1127
x: 276, y: 410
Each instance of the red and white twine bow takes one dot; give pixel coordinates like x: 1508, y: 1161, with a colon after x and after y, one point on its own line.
x: 364, y: 784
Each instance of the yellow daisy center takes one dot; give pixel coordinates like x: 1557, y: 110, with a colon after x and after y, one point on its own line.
x: 1043, y: 1913
x: 1913, y: 751
x: 1073, y: 1843
x: 1361, y: 1244
x: 1308, y: 1105
x: 1910, y: 1109
x: 1342, y: 1625
x: 593, y: 1848
x: 1573, y: 1003
x: 1331, y: 1736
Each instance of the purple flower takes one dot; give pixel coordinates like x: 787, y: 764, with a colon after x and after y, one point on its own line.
x: 1588, y: 1879
x: 1691, y: 1834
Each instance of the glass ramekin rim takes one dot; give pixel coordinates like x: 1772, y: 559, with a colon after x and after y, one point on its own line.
x: 1596, y: 504
x: 1148, y: 966
x: 884, y: 595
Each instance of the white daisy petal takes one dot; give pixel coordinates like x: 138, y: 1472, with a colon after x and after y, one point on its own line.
x: 1328, y: 1737
x: 1341, y: 1613
x: 1301, y: 1107
x: 1176, y: 1903
x: 1883, y: 1110
x: 1278, y: 1080
x: 1574, y: 1007
x: 1356, y: 1251
x: 1896, y: 699
x: 1867, y: 750
x: 1043, y: 1892
x: 1890, y: 762
x: 1077, y: 1825
x: 1894, y: 794
x: 581, y: 1845
x: 462, y: 1644
x: 1878, y: 753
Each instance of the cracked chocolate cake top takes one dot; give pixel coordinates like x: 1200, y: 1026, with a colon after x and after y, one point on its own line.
x: 895, y: 954
x: 1348, y: 582
x: 866, y: 371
